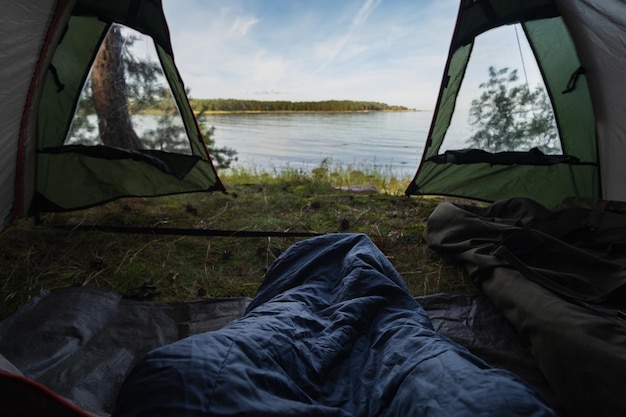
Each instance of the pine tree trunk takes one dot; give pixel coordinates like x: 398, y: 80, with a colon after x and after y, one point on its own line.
x: 110, y: 95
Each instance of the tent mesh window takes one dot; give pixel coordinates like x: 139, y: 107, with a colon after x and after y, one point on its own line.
x: 503, y: 105
x: 126, y: 101
x: 114, y: 119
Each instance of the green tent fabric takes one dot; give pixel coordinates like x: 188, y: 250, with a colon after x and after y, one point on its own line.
x: 579, y: 49
x: 48, y: 49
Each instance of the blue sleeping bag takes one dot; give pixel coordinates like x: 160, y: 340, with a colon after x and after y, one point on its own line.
x: 333, y: 331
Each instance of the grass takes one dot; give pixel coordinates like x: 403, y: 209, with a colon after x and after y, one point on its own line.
x: 170, y: 268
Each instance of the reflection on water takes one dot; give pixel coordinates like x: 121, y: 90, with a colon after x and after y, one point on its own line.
x: 388, y: 141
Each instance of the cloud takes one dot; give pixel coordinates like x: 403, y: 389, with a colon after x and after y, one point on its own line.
x: 391, y: 51
x: 241, y: 25
x: 364, y: 12
x: 359, y: 19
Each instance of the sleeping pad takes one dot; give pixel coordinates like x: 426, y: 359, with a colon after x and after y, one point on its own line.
x: 332, y: 331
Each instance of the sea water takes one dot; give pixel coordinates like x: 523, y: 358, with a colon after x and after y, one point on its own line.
x: 388, y: 142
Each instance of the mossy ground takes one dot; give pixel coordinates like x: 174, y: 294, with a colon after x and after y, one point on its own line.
x: 37, y: 256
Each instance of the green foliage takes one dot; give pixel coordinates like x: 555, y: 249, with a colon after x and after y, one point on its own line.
x: 233, y: 105
x: 170, y: 135
x: 145, y: 81
x: 511, y: 117
x: 147, y: 95
x: 222, y: 157
x: 82, y: 131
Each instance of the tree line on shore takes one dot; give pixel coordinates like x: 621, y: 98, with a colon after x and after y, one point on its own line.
x: 235, y: 105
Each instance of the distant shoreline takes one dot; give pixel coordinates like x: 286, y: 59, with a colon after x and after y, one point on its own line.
x: 228, y: 106
x: 303, y: 111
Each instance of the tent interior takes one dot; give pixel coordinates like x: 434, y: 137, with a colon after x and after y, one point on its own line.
x: 333, y: 329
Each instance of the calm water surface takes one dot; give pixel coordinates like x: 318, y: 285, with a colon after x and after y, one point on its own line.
x: 387, y: 141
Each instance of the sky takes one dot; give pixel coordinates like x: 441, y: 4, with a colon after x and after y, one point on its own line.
x: 390, y: 51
